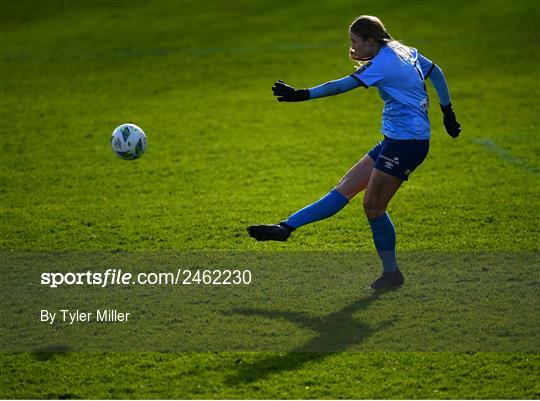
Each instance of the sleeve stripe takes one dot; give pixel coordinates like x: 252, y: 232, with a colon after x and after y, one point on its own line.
x: 359, y: 81
x: 429, y: 72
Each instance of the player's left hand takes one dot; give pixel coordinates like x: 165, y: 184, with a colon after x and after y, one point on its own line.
x: 450, y: 122
x: 286, y: 93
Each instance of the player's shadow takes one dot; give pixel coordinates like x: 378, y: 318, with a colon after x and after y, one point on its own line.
x: 336, y: 332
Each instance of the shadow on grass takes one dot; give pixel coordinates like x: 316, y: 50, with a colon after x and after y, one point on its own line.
x: 50, y: 351
x: 336, y: 332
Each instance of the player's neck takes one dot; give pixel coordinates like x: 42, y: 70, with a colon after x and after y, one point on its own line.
x: 378, y: 47
x: 373, y: 51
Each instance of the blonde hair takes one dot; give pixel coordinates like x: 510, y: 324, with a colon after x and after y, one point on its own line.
x: 368, y: 26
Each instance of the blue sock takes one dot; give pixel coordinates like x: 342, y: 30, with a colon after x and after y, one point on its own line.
x: 325, y: 207
x: 384, y: 237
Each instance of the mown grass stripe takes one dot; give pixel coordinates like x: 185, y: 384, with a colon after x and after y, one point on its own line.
x: 506, y: 155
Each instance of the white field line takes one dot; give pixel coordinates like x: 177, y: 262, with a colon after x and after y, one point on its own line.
x: 506, y: 155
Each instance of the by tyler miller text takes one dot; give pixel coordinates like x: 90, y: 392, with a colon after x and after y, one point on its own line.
x: 78, y: 316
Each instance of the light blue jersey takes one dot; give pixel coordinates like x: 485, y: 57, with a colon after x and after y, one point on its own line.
x: 400, y: 80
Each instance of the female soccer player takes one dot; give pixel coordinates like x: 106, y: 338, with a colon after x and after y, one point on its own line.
x: 399, y: 73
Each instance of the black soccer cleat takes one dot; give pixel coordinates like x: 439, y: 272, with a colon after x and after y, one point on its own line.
x: 388, y: 281
x: 270, y: 232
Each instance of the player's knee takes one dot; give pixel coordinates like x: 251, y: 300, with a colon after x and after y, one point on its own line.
x: 345, y: 189
x: 372, y: 209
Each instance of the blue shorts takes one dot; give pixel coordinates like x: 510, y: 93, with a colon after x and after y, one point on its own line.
x: 399, y: 157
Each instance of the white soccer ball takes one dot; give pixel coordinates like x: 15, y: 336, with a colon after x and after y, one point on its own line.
x: 128, y: 141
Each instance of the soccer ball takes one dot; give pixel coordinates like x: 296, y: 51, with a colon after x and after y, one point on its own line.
x: 128, y: 142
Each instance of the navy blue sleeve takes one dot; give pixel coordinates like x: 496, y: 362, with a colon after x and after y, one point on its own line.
x: 332, y: 88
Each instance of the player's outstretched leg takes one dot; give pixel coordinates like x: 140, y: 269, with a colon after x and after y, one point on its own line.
x: 354, y: 181
x: 325, y: 207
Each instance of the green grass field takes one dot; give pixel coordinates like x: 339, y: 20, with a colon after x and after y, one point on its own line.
x: 223, y: 154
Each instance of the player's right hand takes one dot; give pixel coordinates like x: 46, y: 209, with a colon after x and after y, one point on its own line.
x: 450, y: 122
x: 286, y: 93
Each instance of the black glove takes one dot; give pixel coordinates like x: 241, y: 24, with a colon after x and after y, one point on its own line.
x: 450, y: 123
x: 286, y: 93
